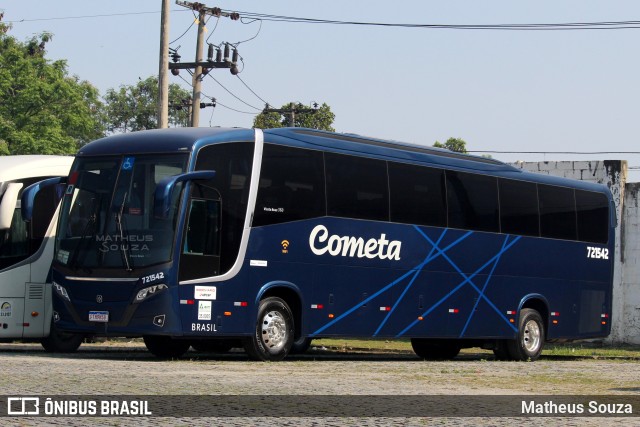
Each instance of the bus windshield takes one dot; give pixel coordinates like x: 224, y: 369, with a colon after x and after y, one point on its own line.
x: 106, y: 219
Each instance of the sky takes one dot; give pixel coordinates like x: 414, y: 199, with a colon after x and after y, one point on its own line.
x: 521, y: 91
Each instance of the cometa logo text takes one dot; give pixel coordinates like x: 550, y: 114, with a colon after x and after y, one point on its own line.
x: 321, y: 242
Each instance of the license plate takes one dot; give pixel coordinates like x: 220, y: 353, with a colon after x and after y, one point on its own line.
x: 99, y: 316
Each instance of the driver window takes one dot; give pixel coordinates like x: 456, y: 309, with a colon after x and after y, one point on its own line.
x: 202, y: 236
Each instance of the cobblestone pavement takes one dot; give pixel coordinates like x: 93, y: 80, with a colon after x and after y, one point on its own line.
x: 127, y: 369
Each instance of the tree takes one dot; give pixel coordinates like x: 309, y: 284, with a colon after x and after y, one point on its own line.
x: 43, y: 110
x: 134, y: 107
x: 453, y: 144
x: 321, y: 118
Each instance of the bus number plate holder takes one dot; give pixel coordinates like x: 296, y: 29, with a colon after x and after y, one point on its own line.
x: 99, y: 316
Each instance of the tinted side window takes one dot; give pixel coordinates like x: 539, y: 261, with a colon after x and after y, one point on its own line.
x: 23, y: 239
x: 519, y: 207
x: 418, y: 195
x: 357, y: 187
x: 593, y: 216
x: 473, y: 201
x: 557, y: 212
x: 232, y: 163
x: 291, y: 185
x: 44, y: 206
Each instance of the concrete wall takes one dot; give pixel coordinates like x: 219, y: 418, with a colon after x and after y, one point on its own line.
x: 625, y: 327
x: 630, y: 290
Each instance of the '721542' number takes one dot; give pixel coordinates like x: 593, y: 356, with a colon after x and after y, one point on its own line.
x: 597, y: 253
x: 153, y: 277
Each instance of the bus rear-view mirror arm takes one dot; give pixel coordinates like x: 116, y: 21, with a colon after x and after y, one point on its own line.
x: 162, y: 197
x: 29, y: 195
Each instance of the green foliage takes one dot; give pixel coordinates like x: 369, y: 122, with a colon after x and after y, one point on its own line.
x: 320, y: 118
x: 134, y: 107
x: 43, y: 110
x: 453, y: 144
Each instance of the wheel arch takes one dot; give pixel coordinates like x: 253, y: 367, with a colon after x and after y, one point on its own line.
x: 290, y: 294
x: 539, y: 303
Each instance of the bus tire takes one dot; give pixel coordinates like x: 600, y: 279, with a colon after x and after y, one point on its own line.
x: 274, y: 331
x: 61, y: 342
x: 435, y: 349
x: 213, y: 346
x: 301, y: 345
x: 531, y: 336
x: 501, y: 351
x: 166, y: 347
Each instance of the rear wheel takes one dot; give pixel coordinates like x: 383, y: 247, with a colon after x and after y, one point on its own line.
x: 500, y: 350
x: 301, y: 345
x: 531, y: 336
x: 166, y: 347
x: 434, y: 349
x: 273, y: 335
x: 61, y: 342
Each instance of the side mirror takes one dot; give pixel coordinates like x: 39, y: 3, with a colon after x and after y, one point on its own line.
x: 162, y: 196
x: 29, y: 195
x: 8, y: 205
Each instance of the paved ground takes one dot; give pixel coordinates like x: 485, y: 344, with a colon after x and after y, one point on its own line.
x: 127, y: 369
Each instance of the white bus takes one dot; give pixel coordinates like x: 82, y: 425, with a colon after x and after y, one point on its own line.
x: 26, y: 251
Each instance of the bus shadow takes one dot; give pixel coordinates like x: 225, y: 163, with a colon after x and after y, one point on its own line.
x: 140, y: 353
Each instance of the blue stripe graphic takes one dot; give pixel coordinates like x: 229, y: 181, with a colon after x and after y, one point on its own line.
x: 434, y: 254
x: 415, y: 276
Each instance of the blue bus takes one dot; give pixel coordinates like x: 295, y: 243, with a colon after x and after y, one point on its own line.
x: 266, y: 239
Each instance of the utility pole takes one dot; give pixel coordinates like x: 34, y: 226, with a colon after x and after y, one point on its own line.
x: 163, y: 78
x: 291, y: 111
x: 201, y: 67
x: 197, y: 81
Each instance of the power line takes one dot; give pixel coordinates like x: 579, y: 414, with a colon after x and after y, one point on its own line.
x: 216, y: 101
x: 214, y: 28
x: 237, y: 111
x: 187, y: 30
x: 255, y: 35
x: 105, y: 15
x: 601, y: 25
x: 598, y: 25
x: 234, y: 95
x: 251, y: 90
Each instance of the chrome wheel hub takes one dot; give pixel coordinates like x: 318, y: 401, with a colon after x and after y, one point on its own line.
x: 531, y: 337
x: 274, y: 330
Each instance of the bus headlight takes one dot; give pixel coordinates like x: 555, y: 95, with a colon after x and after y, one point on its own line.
x: 147, y: 292
x: 61, y: 291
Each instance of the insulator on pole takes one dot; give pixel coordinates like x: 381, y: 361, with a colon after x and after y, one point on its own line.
x: 226, y: 52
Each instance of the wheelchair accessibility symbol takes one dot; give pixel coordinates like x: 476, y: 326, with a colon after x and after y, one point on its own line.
x: 127, y: 164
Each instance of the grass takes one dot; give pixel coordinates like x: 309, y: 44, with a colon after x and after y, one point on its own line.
x: 591, y: 350
x: 362, y: 344
x: 351, y: 345
x: 595, y: 350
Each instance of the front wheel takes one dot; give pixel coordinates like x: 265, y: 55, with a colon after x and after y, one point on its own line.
x: 166, y: 347
x: 61, y: 342
x: 531, y: 336
x: 273, y: 335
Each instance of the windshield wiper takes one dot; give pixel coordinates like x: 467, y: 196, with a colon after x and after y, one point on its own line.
x: 123, y: 249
